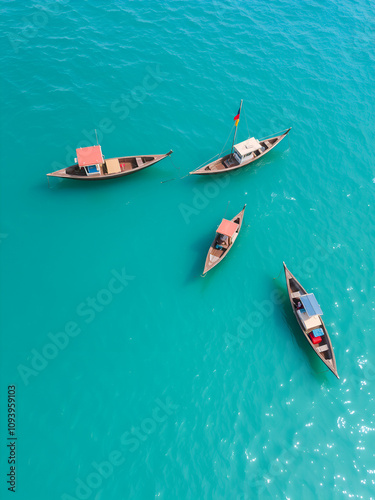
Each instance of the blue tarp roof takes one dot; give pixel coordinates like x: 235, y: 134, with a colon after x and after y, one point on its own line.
x: 311, y: 305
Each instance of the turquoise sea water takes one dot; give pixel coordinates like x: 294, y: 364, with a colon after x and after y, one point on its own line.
x: 170, y: 385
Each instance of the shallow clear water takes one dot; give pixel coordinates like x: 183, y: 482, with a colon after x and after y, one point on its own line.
x: 170, y: 378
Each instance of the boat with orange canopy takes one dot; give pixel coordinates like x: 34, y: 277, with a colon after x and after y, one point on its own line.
x: 226, y: 235
x: 91, y: 166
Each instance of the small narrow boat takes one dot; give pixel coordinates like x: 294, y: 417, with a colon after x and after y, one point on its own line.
x: 241, y: 154
x: 91, y: 166
x: 226, y: 235
x: 309, y: 316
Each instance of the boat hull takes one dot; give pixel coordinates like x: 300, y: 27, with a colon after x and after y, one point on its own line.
x: 129, y: 161
x: 330, y: 361
x: 218, y: 167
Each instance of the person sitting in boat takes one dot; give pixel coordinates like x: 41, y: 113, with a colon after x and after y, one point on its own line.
x: 223, y: 240
x: 297, y: 303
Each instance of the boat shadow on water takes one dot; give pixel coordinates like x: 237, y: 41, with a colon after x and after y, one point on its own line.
x: 286, y: 316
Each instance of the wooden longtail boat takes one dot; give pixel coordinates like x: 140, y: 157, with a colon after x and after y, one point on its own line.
x: 226, y: 235
x: 308, y: 313
x: 91, y: 165
x: 241, y: 154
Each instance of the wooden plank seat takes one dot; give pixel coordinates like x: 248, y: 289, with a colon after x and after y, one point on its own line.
x: 139, y: 162
x: 322, y: 348
x: 113, y: 166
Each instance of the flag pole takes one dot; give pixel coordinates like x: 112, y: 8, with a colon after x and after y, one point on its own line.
x: 235, y: 132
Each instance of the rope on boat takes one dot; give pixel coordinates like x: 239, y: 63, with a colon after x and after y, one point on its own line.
x: 174, y: 166
x: 204, y: 163
x: 168, y: 180
x: 187, y: 175
x: 218, y: 154
x: 226, y: 209
x: 208, y: 161
x: 272, y: 135
x: 278, y: 274
x: 230, y: 133
x: 248, y: 131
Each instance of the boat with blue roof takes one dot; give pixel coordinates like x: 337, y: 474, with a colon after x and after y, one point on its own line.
x: 309, y: 317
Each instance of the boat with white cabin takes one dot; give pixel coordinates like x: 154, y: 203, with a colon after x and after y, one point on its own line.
x: 241, y: 154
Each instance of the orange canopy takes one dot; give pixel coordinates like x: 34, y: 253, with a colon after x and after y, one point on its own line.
x: 227, y: 227
x: 89, y: 156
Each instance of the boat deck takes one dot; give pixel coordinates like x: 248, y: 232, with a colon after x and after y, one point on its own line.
x: 323, y: 347
x: 228, y: 162
x: 218, y: 252
x: 111, y: 168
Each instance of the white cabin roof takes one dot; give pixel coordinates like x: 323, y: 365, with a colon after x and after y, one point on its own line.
x: 247, y: 146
